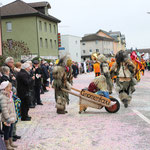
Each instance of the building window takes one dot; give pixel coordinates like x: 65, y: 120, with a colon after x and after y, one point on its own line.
x: 46, y: 44
x: 55, y: 43
x: 96, y: 42
x: 45, y: 27
x: 50, y: 28
x: 51, y: 43
x: 41, y: 42
x: 76, y: 42
x: 54, y: 29
x: 83, y: 51
x: 9, y: 26
x: 97, y: 50
x: 40, y: 25
x: 90, y: 50
x: 83, y: 43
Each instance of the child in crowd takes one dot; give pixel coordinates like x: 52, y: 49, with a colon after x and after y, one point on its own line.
x: 8, y: 113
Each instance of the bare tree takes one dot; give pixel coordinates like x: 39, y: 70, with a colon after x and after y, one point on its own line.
x: 15, y: 49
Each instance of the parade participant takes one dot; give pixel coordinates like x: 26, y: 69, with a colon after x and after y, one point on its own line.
x: 125, y: 71
x: 110, y: 66
x: 8, y: 113
x: 143, y: 63
x: 96, y: 65
x: 104, y: 67
x: 138, y: 65
x: 99, y: 86
x: 62, y: 74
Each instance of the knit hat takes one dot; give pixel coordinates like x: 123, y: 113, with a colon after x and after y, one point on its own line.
x: 3, y: 85
x: 25, y: 65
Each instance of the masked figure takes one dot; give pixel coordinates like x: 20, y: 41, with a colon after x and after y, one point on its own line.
x: 124, y: 69
x: 138, y: 65
x: 104, y: 67
x: 62, y: 74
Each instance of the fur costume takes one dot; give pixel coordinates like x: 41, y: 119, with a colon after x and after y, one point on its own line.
x: 62, y: 74
x: 124, y: 69
x: 104, y: 67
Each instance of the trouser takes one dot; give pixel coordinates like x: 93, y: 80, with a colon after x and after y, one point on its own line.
x: 14, y: 129
x: 8, y: 130
x: 105, y: 93
x: 24, y: 108
x: 97, y: 74
x: 37, y: 93
x: 45, y: 84
x: 51, y: 78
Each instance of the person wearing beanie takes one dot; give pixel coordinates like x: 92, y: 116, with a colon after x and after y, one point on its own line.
x: 8, y: 113
x: 24, y: 81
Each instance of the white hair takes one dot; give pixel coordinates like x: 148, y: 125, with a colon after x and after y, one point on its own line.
x: 8, y: 59
x: 5, y: 69
x: 25, y: 65
x: 30, y: 62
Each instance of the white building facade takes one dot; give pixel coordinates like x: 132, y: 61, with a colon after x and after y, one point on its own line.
x: 94, y: 43
x: 71, y: 45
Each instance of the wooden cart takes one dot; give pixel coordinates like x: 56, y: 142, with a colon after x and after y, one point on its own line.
x: 89, y: 99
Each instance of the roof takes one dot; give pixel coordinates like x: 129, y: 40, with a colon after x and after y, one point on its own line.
x: 94, y: 37
x: 39, y: 4
x: 107, y: 33
x: 117, y: 33
x: 19, y: 8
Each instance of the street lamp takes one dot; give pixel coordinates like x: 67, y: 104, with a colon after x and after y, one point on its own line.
x: 0, y: 32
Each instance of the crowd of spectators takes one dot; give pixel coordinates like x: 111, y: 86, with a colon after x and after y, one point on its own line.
x: 22, y: 83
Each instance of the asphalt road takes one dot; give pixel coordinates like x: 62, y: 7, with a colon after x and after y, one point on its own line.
x: 128, y: 129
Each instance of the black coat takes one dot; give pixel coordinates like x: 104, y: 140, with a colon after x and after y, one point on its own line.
x: 38, y: 71
x: 4, y: 78
x: 24, y: 81
x: 12, y: 74
x: 45, y: 72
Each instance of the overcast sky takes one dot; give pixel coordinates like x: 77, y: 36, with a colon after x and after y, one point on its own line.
x: 79, y: 17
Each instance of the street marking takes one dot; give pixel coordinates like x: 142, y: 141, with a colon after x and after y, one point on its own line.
x: 141, y: 115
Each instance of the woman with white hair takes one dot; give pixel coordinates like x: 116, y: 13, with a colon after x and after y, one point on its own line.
x: 5, y: 74
x: 24, y: 81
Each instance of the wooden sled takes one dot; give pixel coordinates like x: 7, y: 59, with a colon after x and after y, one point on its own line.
x: 89, y: 99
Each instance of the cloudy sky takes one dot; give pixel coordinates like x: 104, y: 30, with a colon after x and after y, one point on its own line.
x: 79, y: 17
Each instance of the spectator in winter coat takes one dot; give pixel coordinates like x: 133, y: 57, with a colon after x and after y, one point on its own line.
x: 37, y: 85
x: 5, y: 74
x: 45, y: 74
x: 6, y: 71
x: 51, y: 72
x: 24, y: 81
x: 8, y: 113
x: 9, y: 62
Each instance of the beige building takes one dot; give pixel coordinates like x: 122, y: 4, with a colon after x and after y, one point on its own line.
x: 119, y: 39
x: 107, y: 43
x: 95, y: 43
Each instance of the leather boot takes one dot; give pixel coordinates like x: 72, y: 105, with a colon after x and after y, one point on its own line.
x: 8, y: 147
x: 12, y: 144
